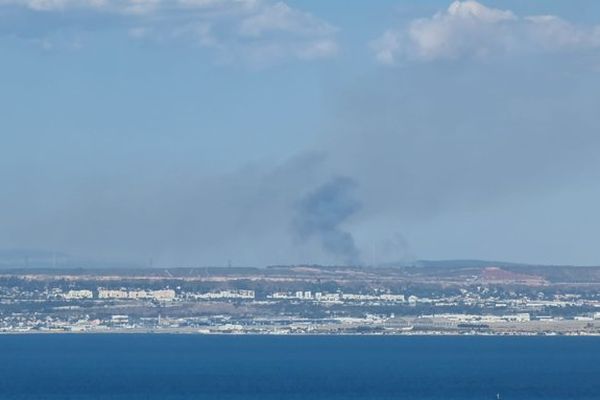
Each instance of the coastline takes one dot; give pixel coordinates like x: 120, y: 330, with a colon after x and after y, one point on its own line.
x: 192, y: 332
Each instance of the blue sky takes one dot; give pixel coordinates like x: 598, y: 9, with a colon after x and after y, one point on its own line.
x: 193, y: 132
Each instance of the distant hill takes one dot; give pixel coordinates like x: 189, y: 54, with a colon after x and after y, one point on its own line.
x: 498, y: 270
x: 466, y: 263
x: 43, y: 261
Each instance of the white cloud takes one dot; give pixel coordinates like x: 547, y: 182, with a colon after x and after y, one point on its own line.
x: 474, y: 10
x: 54, y: 5
x: 470, y: 29
x: 258, y: 31
x: 281, y: 17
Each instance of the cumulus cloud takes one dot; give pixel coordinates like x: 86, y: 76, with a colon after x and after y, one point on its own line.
x: 471, y: 29
x: 281, y: 17
x: 259, y: 31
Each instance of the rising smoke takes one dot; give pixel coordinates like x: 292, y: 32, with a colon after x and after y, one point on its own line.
x: 321, y: 214
x: 412, y: 149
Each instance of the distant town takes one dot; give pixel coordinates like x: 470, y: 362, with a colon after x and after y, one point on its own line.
x: 432, y: 299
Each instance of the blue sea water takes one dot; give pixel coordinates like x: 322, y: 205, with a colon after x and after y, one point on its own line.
x: 297, y: 367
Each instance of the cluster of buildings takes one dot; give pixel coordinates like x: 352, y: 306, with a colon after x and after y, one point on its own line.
x: 338, y: 297
x: 159, y: 295
x: 471, y: 318
x: 230, y: 294
x: 223, y: 295
x: 464, y: 299
x: 142, y: 306
x: 85, y: 294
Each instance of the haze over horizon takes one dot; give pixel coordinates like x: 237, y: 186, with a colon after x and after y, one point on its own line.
x: 39, y: 259
x: 193, y: 132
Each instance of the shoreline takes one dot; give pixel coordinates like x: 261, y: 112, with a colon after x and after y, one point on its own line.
x: 313, y: 334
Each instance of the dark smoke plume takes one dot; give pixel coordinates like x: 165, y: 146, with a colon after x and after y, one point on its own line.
x: 321, y: 213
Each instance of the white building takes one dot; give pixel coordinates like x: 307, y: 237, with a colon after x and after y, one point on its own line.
x: 139, y: 294
x: 112, y: 294
x: 359, y: 297
x: 160, y: 295
x: 78, y: 294
x: 330, y: 297
x: 225, y: 294
x: 163, y: 295
x: 119, y: 319
x: 280, y: 296
x: 398, y: 298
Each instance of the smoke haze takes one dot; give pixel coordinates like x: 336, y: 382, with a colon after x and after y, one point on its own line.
x: 322, y: 212
x: 473, y: 150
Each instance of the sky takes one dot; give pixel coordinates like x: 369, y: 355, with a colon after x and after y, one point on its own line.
x: 259, y: 132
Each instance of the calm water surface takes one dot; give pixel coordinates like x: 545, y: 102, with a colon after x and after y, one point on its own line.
x: 297, y: 367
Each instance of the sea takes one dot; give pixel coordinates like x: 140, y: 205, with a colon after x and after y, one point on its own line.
x: 173, y: 366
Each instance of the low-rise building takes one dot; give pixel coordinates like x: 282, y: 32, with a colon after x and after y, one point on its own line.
x: 225, y: 294
x: 112, y: 294
x: 163, y: 295
x: 78, y: 295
